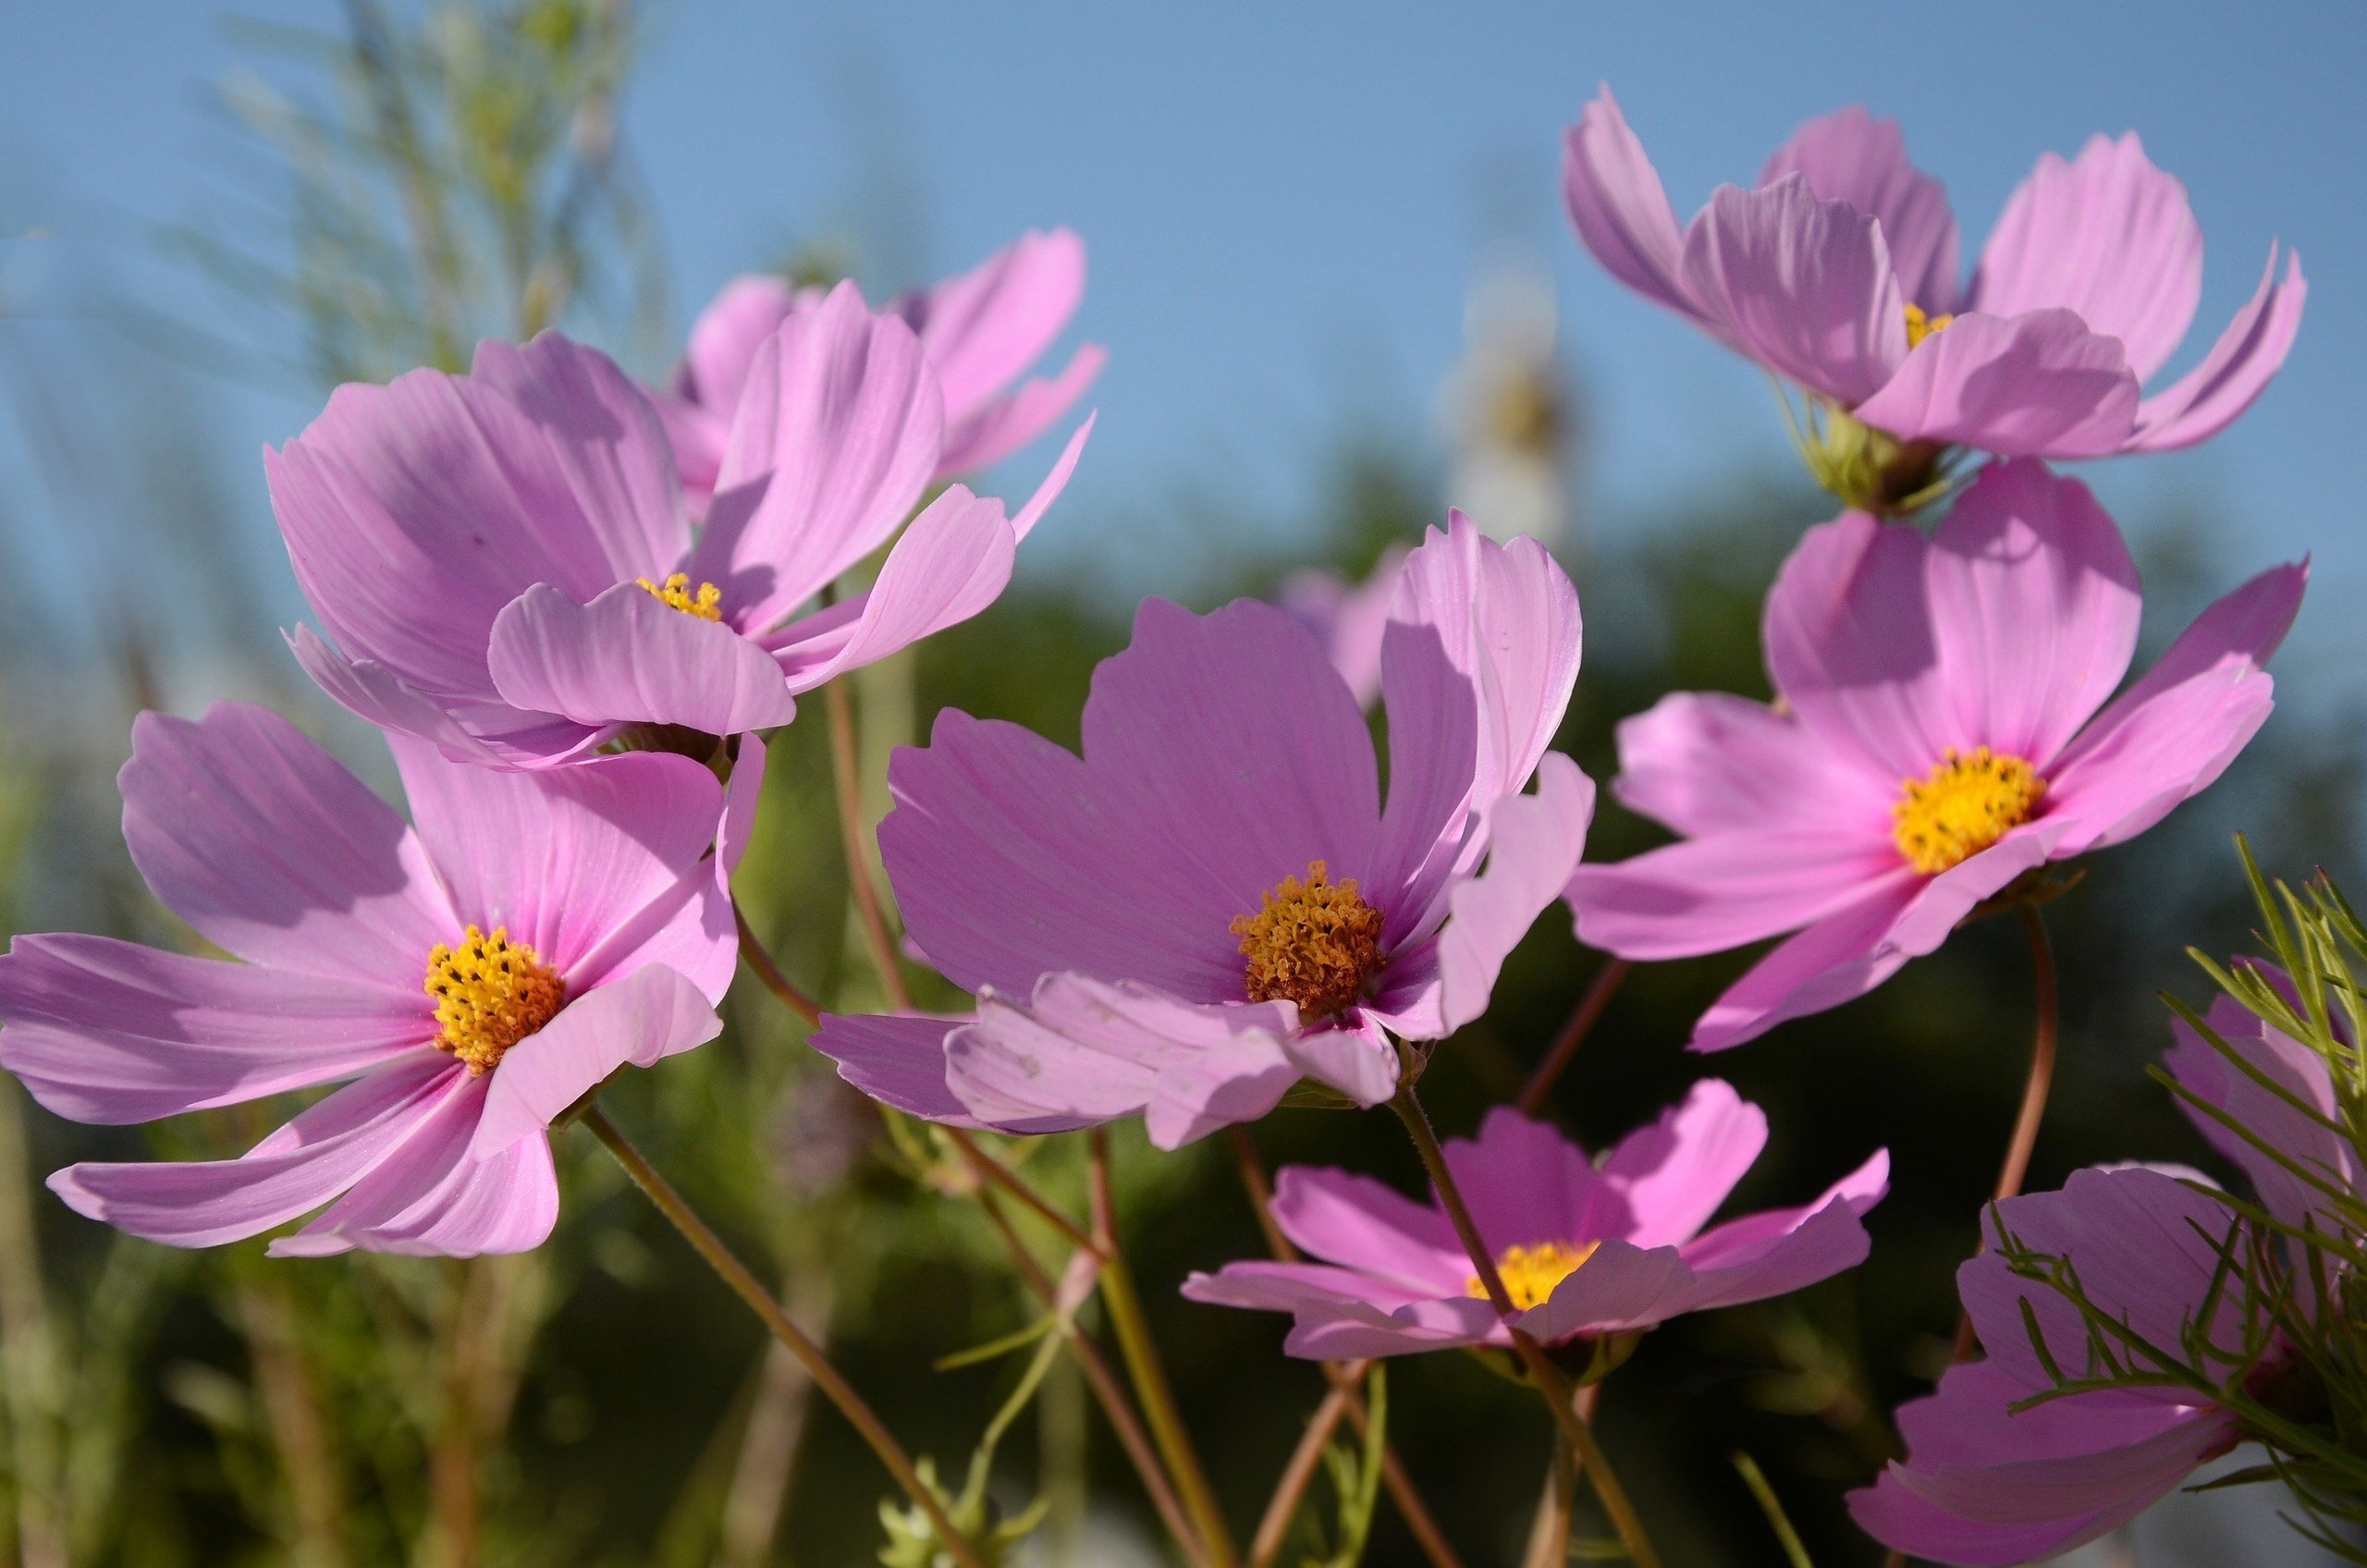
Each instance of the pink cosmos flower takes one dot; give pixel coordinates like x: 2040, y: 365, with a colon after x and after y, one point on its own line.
x: 505, y: 564
x: 466, y: 980
x: 981, y: 331
x: 1839, y: 273
x: 1349, y: 617
x: 1211, y: 902
x: 1984, y: 1484
x: 1584, y: 1250
x: 1942, y: 729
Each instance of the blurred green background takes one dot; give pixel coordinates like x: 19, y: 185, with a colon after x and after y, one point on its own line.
x: 417, y: 179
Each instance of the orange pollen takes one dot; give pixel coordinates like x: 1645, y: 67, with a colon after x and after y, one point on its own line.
x: 490, y: 993
x: 1530, y: 1273
x: 675, y: 593
x: 1919, y: 326
x: 1314, y: 942
x: 1962, y: 806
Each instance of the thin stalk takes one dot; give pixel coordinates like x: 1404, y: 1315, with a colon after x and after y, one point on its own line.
x: 1299, y: 1474
x: 1549, y: 1532
x: 1141, y: 1356
x: 835, y: 1387
x: 752, y: 953
x: 2043, y: 1036
x: 847, y: 783
x: 1574, y: 1034
x: 1419, y: 1521
x: 994, y: 1172
x: 1560, y: 1396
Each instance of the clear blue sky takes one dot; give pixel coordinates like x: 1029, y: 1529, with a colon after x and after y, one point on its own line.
x: 1284, y: 202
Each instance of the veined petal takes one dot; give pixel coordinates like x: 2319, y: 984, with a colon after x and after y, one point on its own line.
x: 648, y: 1015
x: 1849, y: 156
x: 491, y: 734
x: 1702, y: 763
x: 954, y: 561
x: 898, y: 1060
x: 1534, y: 845
x: 1669, y: 1177
x: 629, y: 657
x: 1620, y: 210
x: 1705, y: 895
x: 983, y: 328
x: 2248, y: 355
x: 1002, y: 425
x: 2036, y: 385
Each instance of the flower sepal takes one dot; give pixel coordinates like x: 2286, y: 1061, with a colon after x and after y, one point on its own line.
x: 1870, y: 470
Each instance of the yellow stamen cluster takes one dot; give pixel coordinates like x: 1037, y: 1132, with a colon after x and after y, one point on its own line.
x: 1530, y: 1273
x: 1314, y: 942
x: 1962, y: 806
x: 1919, y: 326
x: 706, y: 604
x: 490, y: 993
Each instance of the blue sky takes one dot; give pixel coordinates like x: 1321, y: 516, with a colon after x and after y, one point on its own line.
x: 1285, y: 203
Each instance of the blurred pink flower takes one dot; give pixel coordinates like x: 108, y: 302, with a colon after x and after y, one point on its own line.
x: 505, y: 564
x: 980, y: 330
x: 1938, y: 735
x: 1211, y: 902
x: 1839, y: 273
x: 473, y: 978
x: 1348, y: 617
x: 1584, y: 1250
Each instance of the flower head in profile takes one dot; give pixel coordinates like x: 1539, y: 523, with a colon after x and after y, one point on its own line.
x: 1212, y: 902
x: 981, y: 332
x: 1585, y: 1250
x: 1838, y: 273
x: 466, y: 980
x: 1943, y: 729
x: 505, y: 564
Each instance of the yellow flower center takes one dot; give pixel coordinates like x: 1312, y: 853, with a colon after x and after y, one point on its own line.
x: 706, y: 604
x: 1314, y: 943
x: 1919, y: 326
x: 490, y: 993
x: 1963, y: 806
x: 1530, y: 1273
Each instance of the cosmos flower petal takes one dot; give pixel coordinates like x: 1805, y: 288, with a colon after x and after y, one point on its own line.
x: 1701, y: 762
x: 950, y: 563
x: 1705, y: 895
x: 1003, y: 424
x: 2273, y: 1115
x: 1368, y: 1225
x: 898, y: 1060
x: 1852, y: 156
x: 1621, y: 211
x: 1534, y: 845
x: 629, y: 657
x: 652, y: 1014
x: 1669, y: 1177
x: 2243, y: 361
x: 2036, y: 385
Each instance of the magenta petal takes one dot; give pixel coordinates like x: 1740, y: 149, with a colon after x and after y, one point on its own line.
x: 953, y: 562
x: 2109, y: 237
x: 2034, y: 608
x: 1080, y: 1051
x: 563, y: 858
x: 832, y: 445
x: 1344, y: 1315
x: 2276, y: 1118
x: 1368, y: 1225
x: 649, y: 1014
x: 1704, y: 762
x: 1673, y: 1175
x: 1775, y: 1254
x: 2248, y: 355
x: 1705, y: 895
x: 1751, y: 1240
x: 1849, y: 953
x: 1802, y: 286
x: 628, y: 658
x: 109, y: 1031
x: 2035, y: 384
x: 898, y: 1060
x: 1621, y: 1286
x: 987, y: 327
x: 1524, y: 1181
x: 298, y: 1168
x: 1851, y: 156
x: 2171, y: 734
x: 1621, y: 211
x: 1534, y: 845
x: 1006, y: 424
x: 272, y: 850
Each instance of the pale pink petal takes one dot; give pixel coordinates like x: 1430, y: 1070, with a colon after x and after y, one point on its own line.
x: 1350, y: 619
x: 649, y: 1014
x: 2108, y: 235
x: 2170, y: 736
x: 1534, y: 845
x: 1851, y: 156
x: 2035, y: 384
x: 298, y: 1168
x: 899, y: 1061
x: 629, y: 657
x: 1751, y: 1240
x: 1670, y: 1176
x: 1803, y: 285
x: 832, y: 445
x: 2034, y: 608
x: 1705, y: 762
x: 984, y: 327
x: 1359, y: 1061
x: 1621, y: 211
x: 1343, y: 1315
x: 603, y: 441
x: 491, y: 734
x: 724, y: 339
x: 562, y: 858
x: 1775, y: 1254
x: 1079, y: 1050
x: 1705, y: 895
x: 109, y: 1031
x: 1002, y: 425
x: 2274, y: 1118
x: 1368, y: 1225
x: 2248, y: 355
x: 272, y: 850
x: 953, y: 562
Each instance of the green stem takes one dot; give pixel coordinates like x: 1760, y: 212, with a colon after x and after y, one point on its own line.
x: 1134, y: 1344
x: 1560, y: 1396
x: 734, y: 1273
